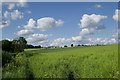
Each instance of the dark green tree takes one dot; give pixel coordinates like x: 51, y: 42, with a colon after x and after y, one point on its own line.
x: 65, y: 45
x: 71, y: 45
x: 6, y: 45
x: 19, y: 45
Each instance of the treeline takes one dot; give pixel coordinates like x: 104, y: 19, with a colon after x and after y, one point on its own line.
x: 17, y: 45
x: 31, y: 46
x: 11, y: 48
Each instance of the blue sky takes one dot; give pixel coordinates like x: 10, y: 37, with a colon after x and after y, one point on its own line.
x: 70, y: 13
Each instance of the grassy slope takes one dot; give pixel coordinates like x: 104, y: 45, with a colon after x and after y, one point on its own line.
x: 88, y: 62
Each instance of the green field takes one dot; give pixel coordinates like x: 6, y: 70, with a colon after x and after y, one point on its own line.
x: 78, y: 62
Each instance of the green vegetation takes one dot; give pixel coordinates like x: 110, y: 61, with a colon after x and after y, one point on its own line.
x: 75, y: 62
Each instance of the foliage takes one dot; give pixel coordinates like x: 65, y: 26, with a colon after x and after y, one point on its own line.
x: 6, y: 57
x: 18, y: 45
x: 15, y: 45
x: 6, y: 45
x: 17, y: 68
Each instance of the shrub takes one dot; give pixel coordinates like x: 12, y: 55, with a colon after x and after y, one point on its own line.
x: 6, y: 57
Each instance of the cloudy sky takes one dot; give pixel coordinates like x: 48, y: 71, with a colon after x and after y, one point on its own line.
x: 57, y: 24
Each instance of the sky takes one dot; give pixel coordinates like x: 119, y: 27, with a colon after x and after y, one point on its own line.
x: 61, y: 23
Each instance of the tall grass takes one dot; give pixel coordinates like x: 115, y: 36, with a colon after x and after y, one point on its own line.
x: 75, y: 62
x: 89, y: 62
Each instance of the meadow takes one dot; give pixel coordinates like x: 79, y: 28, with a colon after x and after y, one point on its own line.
x: 76, y: 62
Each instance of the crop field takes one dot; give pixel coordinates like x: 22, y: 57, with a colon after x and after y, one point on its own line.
x: 77, y: 62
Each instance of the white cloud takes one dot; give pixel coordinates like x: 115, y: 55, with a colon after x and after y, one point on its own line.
x: 102, y: 41
x: 24, y: 32
x: 60, y: 42
x: 16, y: 15
x: 91, y: 23
x: 86, y: 31
x: 48, y: 22
x: 91, y: 20
x: 77, y: 38
x: 4, y: 24
x: 13, y: 15
x: 116, y: 16
x: 98, y: 6
x: 43, y: 23
x: 30, y: 24
x: 35, y: 38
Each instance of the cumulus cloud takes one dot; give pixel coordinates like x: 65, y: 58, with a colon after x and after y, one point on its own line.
x: 43, y: 23
x: 48, y: 22
x: 30, y: 24
x: 86, y: 31
x: 91, y: 23
x: 91, y: 20
x: 116, y: 16
x: 35, y: 38
x: 24, y: 32
x: 13, y: 15
x: 16, y: 15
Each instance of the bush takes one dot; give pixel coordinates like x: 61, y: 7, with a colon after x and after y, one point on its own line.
x: 6, y: 57
x: 6, y: 45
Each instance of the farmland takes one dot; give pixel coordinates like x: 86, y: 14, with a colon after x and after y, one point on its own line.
x: 78, y: 62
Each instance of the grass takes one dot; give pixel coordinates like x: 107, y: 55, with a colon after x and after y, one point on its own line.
x: 77, y: 62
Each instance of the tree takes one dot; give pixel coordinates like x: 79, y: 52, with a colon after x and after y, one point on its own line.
x: 65, y: 45
x: 22, y: 42
x: 71, y: 45
x: 29, y: 46
x: 83, y: 45
x: 16, y: 46
x: 19, y: 45
x: 6, y: 45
